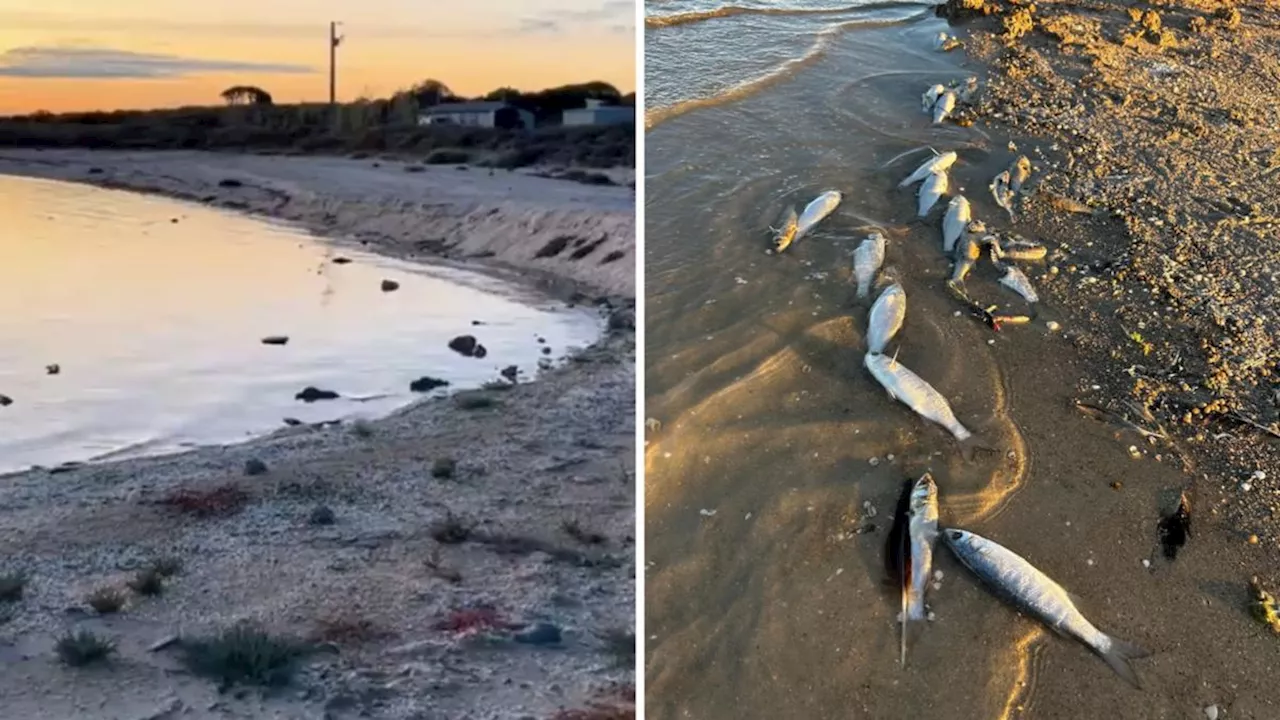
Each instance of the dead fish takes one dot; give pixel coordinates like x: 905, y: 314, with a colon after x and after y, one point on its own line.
x: 1263, y: 605
x: 955, y: 221
x: 1015, y: 280
x: 932, y: 166
x: 785, y: 235
x: 1176, y: 528
x: 815, y: 211
x: 943, y: 107
x: 1019, y: 249
x: 910, y: 548
x: 911, y: 390
x: 1019, y: 173
x: 930, y: 98
x: 931, y: 191
x: 867, y: 259
x: 945, y: 43
x: 968, y: 251
x: 966, y: 91
x: 1032, y: 592
x: 886, y: 318
x: 1001, y: 192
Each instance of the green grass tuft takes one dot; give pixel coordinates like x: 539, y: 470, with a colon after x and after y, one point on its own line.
x: 81, y: 648
x: 245, y: 655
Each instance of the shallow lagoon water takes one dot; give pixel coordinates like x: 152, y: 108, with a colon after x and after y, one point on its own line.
x: 155, y: 309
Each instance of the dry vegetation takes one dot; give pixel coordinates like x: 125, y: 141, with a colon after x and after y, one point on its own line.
x: 361, y: 128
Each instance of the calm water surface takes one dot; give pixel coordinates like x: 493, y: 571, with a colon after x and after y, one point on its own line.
x: 772, y: 478
x: 156, y: 325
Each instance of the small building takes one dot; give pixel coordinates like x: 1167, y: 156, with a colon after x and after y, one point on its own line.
x: 597, y: 113
x: 477, y: 114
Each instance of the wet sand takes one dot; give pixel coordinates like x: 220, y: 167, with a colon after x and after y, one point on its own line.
x: 766, y: 593
x: 376, y: 581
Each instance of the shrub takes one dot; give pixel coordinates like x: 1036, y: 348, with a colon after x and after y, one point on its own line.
x: 244, y: 655
x: 78, y: 649
x: 105, y: 601
x: 12, y: 586
x: 447, y: 157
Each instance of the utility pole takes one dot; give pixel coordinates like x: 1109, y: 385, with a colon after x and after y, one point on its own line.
x: 334, y: 40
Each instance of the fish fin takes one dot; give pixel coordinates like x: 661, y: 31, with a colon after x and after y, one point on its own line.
x: 894, y: 364
x: 1118, y: 655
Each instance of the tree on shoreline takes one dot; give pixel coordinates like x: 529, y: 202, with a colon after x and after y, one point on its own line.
x: 246, y: 95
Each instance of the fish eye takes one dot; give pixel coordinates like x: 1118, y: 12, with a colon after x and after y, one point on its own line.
x: 955, y: 534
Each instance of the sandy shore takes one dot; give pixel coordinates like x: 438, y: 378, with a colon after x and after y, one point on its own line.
x: 1160, y: 154
x: 367, y: 540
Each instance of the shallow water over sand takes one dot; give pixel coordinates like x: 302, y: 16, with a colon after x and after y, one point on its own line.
x: 156, y: 325
x: 771, y: 480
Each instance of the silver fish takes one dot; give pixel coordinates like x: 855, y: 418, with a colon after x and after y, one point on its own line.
x: 785, y: 235
x: 914, y: 532
x: 945, y: 43
x: 867, y: 260
x: 930, y: 97
x: 1015, y: 280
x: 943, y: 107
x: 1019, y: 249
x: 1034, y: 593
x: 968, y: 251
x: 932, y: 166
x: 1019, y: 173
x: 932, y: 190
x: 814, y: 212
x: 886, y: 317
x: 923, y: 530
x: 912, y: 391
x: 1003, y: 194
x: 954, y: 222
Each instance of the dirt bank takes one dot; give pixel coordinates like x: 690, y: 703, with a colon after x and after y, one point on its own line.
x: 466, y: 557
x: 544, y: 228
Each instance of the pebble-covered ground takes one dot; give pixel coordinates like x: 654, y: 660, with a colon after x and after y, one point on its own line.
x: 1154, y: 132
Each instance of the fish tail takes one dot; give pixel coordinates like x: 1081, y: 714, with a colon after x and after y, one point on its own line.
x: 1117, y: 655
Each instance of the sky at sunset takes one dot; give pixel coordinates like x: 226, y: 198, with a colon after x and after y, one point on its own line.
x: 61, y: 55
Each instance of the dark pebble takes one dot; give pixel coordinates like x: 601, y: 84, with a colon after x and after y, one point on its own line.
x: 476, y: 322
x: 173, y: 220
x: 546, y: 350
x: 275, y: 340
x: 624, y: 319
x: 426, y: 383
x: 230, y: 183
x: 254, y: 466
x: 95, y: 171
x: 341, y: 260
x: 480, y: 351
x: 321, y: 515
x: 312, y: 394
x: 540, y: 634
x: 464, y: 345
x: 390, y: 285
x: 5, y: 400
x: 292, y: 422
x: 444, y: 468
x: 509, y: 372
x: 52, y: 369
